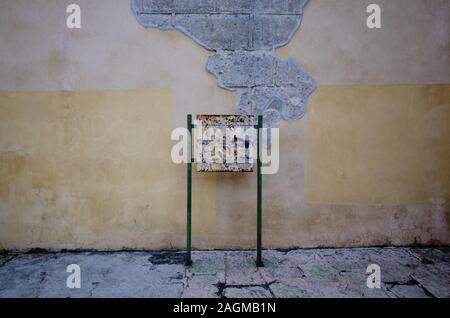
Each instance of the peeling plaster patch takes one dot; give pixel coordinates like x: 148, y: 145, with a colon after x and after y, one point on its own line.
x: 244, y: 34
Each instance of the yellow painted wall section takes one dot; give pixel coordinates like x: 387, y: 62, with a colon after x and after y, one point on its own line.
x: 92, y: 170
x: 379, y: 144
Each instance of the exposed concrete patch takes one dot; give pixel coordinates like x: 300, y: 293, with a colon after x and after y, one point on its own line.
x: 288, y: 291
x: 244, y: 34
x: 409, y: 291
x: 410, y: 288
x: 241, y: 270
x: 201, y: 286
x: 208, y: 263
x: 265, y: 84
x: 247, y: 292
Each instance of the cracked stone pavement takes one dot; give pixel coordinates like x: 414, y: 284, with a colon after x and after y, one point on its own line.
x: 405, y: 272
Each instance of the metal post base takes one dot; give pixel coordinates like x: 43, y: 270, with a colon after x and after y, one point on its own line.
x: 259, y: 262
x: 189, y: 193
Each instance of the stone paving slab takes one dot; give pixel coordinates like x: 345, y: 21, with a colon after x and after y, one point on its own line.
x: 247, y: 292
x: 405, y: 272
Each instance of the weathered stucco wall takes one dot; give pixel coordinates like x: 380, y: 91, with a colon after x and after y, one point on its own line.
x: 86, y: 116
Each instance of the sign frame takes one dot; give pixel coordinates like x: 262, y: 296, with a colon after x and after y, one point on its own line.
x: 190, y: 160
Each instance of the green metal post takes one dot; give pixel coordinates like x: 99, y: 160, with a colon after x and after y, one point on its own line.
x: 259, y: 262
x: 189, y: 192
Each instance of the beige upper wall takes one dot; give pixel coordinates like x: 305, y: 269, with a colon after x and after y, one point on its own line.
x: 112, y: 51
x: 413, y: 45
